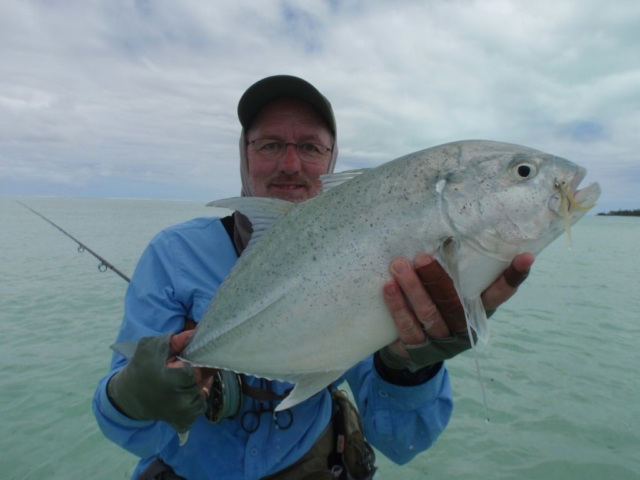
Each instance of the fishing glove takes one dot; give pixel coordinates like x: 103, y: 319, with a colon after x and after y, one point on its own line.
x: 430, y: 352
x: 146, y: 389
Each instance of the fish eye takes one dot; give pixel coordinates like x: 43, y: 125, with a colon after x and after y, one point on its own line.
x: 524, y: 171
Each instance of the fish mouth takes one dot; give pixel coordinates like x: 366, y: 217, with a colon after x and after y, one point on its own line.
x: 572, y: 198
x: 574, y: 202
x: 586, y: 197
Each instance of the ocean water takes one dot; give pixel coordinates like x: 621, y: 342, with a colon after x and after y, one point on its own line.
x: 562, y: 368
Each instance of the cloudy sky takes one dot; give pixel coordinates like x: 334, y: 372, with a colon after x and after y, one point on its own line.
x: 120, y: 98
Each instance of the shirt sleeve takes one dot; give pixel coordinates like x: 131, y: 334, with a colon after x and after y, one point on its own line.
x: 400, y: 421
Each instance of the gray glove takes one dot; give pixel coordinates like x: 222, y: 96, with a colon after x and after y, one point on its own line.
x: 430, y: 352
x: 146, y: 389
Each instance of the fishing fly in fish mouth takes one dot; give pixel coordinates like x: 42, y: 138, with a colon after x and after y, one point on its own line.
x: 567, y: 193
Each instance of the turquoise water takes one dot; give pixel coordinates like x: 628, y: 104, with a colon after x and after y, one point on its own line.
x: 561, y: 369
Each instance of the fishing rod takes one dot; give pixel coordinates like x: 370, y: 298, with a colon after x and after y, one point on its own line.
x: 104, y: 264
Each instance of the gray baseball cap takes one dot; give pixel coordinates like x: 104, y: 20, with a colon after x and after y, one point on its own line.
x: 265, y: 90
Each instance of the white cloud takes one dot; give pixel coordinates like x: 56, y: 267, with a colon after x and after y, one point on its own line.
x: 142, y: 95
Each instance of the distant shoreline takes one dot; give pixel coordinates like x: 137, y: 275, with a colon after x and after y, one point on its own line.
x: 622, y: 213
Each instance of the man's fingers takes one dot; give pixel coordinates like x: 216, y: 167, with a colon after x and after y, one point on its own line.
x: 513, y: 277
x: 203, y: 375
x: 205, y: 387
x: 409, y: 329
x: 421, y: 304
x: 173, y: 362
x: 442, y: 291
x: 179, y: 341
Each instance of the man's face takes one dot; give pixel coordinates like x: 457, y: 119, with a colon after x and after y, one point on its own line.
x: 287, y: 177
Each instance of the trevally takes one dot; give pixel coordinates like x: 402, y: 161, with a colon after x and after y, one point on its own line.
x: 304, y: 302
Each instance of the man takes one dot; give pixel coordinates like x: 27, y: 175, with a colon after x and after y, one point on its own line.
x: 403, y: 394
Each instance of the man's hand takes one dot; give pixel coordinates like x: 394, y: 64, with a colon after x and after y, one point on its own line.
x: 428, y: 313
x: 203, y: 376
x: 156, y: 385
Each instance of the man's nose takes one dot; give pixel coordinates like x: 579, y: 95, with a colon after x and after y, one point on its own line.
x: 290, y: 161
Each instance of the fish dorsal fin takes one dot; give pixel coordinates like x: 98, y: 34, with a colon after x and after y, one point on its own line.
x: 262, y: 212
x: 331, y: 180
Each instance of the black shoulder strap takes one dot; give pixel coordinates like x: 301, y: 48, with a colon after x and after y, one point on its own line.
x: 229, y: 224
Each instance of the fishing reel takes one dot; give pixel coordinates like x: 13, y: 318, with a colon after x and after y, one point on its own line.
x: 225, y: 402
x: 225, y: 397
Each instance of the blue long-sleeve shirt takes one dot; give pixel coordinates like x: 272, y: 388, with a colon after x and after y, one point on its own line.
x: 176, y: 277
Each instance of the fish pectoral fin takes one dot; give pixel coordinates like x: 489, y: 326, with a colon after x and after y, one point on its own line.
x: 332, y: 180
x: 126, y: 349
x: 477, y: 317
x: 309, y: 385
x: 473, y: 308
x: 262, y: 212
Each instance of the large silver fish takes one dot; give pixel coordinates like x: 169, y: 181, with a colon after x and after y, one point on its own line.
x: 304, y: 302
